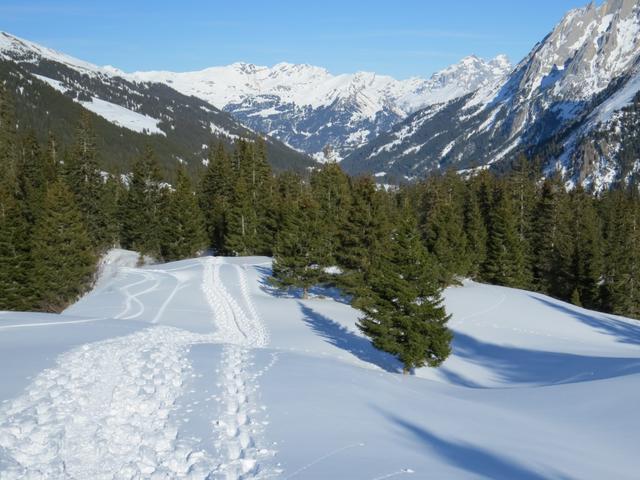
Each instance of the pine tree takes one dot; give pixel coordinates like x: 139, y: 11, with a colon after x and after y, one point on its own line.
x: 262, y: 197
x: 241, y: 235
x: 8, y: 142
x: 85, y: 180
x: 442, y: 224
x: 16, y: 292
x: 330, y: 190
x: 363, y: 235
x: 64, y: 259
x: 476, y: 232
x: 299, y: 253
x: 215, y: 195
x: 183, y: 233
x: 587, y: 256
x: 403, y: 312
x: 621, y: 288
x: 505, y: 263
x: 544, y: 237
x: 31, y: 178
x: 140, y: 212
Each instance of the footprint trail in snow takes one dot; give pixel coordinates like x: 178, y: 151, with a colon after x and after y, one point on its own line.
x: 238, y: 430
x: 104, y: 411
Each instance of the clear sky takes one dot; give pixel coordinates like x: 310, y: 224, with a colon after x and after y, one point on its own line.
x: 402, y: 38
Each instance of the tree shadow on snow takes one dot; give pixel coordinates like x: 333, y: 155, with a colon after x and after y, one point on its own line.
x: 343, y: 338
x: 319, y: 291
x: 535, y: 367
x: 624, y: 332
x: 466, y: 456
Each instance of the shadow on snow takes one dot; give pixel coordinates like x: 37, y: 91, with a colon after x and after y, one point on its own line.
x: 535, y: 367
x: 466, y: 456
x: 343, y: 338
x: 624, y: 332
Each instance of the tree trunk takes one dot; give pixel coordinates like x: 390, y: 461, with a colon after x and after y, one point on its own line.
x: 305, y: 293
x: 406, y: 370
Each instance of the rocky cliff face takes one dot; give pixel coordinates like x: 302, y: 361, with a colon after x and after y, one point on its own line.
x: 574, y: 83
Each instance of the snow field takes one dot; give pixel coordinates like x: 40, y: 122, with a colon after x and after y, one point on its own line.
x: 103, y: 411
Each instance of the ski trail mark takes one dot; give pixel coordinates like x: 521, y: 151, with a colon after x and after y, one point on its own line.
x: 238, y: 431
x: 322, y: 458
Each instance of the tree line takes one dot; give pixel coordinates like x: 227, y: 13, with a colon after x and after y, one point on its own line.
x: 391, y: 250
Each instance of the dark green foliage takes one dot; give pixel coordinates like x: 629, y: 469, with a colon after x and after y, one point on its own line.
x: 364, y: 234
x: 140, y: 212
x: 183, y: 232
x: 16, y: 289
x: 403, y: 312
x: 476, y: 233
x: 86, y: 182
x: 62, y: 251
x: 215, y: 195
x: 505, y: 263
x: 621, y: 288
x: 299, y: 253
x: 442, y: 210
x: 330, y: 189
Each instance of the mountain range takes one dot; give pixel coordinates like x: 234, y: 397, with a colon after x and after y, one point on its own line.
x: 572, y: 104
x: 310, y: 109
x: 51, y: 90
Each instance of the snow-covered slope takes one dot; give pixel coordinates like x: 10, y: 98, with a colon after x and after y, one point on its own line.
x: 569, y: 87
x: 309, y: 108
x: 197, y: 369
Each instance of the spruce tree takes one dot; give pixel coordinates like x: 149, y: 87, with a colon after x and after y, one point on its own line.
x: 330, y: 189
x: 64, y: 260
x: 621, y: 288
x: 442, y: 224
x: 587, y: 261
x: 140, y: 212
x: 31, y: 177
x: 215, y: 195
x: 8, y: 142
x: 183, y: 233
x: 364, y: 234
x: 476, y: 233
x: 299, y: 253
x: 86, y: 182
x: 16, y: 282
x: 506, y: 262
x: 241, y: 235
x: 403, y: 311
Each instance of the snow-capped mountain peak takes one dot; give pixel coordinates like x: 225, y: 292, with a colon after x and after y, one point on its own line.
x: 572, y: 84
x: 308, y: 107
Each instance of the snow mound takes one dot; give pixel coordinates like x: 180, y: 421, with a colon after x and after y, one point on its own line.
x: 199, y: 369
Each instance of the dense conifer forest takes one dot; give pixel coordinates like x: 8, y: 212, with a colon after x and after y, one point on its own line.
x: 390, y: 250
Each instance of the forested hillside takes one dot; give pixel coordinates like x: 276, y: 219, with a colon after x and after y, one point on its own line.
x: 183, y: 135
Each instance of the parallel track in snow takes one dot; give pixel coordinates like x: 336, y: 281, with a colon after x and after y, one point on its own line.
x: 237, y: 431
x: 104, y: 410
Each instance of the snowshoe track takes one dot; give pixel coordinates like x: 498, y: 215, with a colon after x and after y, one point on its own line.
x: 103, y: 413
x: 238, y: 432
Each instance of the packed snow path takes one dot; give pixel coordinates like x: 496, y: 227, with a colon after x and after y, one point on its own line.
x: 104, y: 410
x: 242, y: 330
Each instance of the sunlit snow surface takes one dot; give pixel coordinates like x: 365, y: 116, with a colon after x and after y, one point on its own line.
x: 197, y: 369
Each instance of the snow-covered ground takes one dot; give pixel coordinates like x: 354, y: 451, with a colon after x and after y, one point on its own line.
x: 198, y: 369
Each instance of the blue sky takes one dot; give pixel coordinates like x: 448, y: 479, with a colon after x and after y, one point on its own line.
x: 402, y: 38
